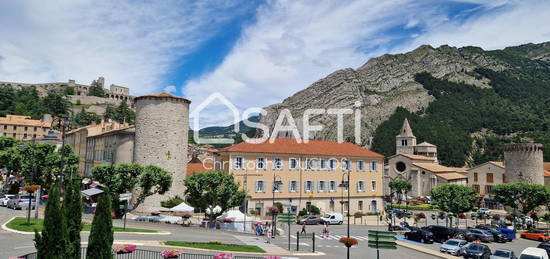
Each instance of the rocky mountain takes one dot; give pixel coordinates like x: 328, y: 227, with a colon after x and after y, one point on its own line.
x: 516, y: 77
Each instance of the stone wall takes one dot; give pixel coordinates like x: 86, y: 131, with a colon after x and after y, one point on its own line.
x: 524, y: 163
x: 162, y: 125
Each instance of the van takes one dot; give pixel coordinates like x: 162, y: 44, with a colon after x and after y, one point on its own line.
x: 333, y: 218
x: 533, y: 253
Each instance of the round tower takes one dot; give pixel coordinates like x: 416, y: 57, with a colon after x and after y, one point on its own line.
x: 524, y: 163
x: 162, y: 123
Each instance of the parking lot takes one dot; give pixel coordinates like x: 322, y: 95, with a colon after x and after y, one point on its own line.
x: 517, y: 245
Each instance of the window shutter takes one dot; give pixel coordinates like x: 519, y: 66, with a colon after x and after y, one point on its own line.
x: 263, y: 186
x: 358, y: 186
x: 319, y: 186
x: 289, y: 186
x: 256, y: 189
x: 297, y: 186
x: 244, y: 164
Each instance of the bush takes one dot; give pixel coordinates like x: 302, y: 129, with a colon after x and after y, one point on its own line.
x: 414, y: 207
x: 371, y: 213
x: 279, y: 207
x: 358, y: 214
x: 172, y: 202
x: 314, y: 210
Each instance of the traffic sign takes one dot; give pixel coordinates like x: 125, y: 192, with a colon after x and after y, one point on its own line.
x: 286, y: 218
x: 382, y: 239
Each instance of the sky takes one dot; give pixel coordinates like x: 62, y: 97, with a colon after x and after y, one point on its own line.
x: 253, y: 52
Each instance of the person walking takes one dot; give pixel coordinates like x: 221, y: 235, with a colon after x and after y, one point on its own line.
x: 303, y: 228
x: 325, y: 230
x: 268, y: 233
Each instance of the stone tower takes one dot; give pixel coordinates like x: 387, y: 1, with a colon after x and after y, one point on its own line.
x: 405, y: 141
x: 162, y: 123
x: 524, y: 163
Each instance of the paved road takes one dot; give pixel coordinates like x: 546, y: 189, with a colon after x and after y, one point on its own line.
x: 12, y: 244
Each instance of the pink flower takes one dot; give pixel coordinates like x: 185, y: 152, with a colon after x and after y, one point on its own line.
x: 223, y: 256
x: 124, y: 249
x: 272, y: 257
x: 173, y: 253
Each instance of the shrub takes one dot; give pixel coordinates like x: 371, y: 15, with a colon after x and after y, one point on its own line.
x: 101, y: 234
x: 172, y: 202
x: 358, y: 214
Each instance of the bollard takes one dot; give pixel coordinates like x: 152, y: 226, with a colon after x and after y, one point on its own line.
x: 297, y: 241
x: 313, y: 241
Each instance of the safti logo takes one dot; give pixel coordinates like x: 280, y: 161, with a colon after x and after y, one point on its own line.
x: 280, y: 126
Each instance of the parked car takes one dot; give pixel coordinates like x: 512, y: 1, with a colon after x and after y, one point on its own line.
x: 510, y: 233
x: 497, y: 235
x: 478, y: 251
x: 533, y: 253
x: 453, y: 246
x: 20, y: 202
x: 535, y: 234
x: 484, y: 210
x: 482, y: 235
x: 309, y: 220
x: 545, y: 246
x: 419, y: 235
x: 333, y: 218
x: 503, y: 254
x: 441, y: 234
x: 5, y: 198
x: 465, y: 234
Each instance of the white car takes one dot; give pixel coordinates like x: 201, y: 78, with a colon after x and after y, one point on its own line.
x: 453, y: 246
x: 533, y: 253
x: 333, y: 218
x: 5, y: 198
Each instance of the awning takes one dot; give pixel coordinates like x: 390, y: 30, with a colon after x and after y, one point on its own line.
x: 91, y: 192
x: 182, y: 207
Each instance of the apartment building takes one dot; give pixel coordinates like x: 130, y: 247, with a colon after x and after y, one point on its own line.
x: 303, y: 174
x: 23, y: 127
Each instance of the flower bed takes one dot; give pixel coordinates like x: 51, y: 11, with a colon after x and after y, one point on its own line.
x: 124, y: 249
x: 172, y: 253
x: 348, y: 242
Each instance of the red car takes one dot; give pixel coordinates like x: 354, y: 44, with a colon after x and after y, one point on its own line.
x: 538, y: 235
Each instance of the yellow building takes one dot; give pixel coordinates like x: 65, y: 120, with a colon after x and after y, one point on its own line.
x: 306, y: 174
x: 23, y: 127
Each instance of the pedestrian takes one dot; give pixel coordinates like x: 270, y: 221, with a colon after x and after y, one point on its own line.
x: 268, y: 233
x: 325, y: 230
x: 303, y: 228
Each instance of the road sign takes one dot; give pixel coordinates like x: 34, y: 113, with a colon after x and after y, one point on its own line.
x: 286, y: 218
x: 125, y: 197
x: 382, y: 239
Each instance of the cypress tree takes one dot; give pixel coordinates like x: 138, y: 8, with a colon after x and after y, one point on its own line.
x: 100, y: 242
x: 72, y: 207
x: 52, y: 242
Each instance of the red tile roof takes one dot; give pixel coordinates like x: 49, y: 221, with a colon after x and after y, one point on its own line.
x: 194, y: 168
x: 313, y: 147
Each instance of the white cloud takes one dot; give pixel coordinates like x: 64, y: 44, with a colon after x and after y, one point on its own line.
x: 294, y: 43
x: 170, y: 89
x: 130, y: 43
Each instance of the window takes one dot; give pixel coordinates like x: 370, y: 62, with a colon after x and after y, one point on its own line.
x: 308, y: 186
x: 475, y: 177
x: 278, y: 186
x: 360, y: 186
x: 488, y: 189
x: 293, y: 187
x: 345, y: 185
x: 489, y: 177
x: 373, y: 183
x: 323, y: 164
x: 277, y: 164
x: 476, y: 187
x: 311, y: 164
x: 5, y: 127
x: 26, y: 128
x: 260, y: 187
x: 374, y: 166
x: 360, y: 165
x: 504, y: 178
x: 25, y: 135
x: 331, y: 206
x: 346, y: 165
x: 322, y: 186
x: 360, y: 205
x: 332, y: 163
x: 294, y: 163
x: 332, y: 186
x: 238, y: 163
x: 14, y: 127
x: 260, y: 163
x: 34, y: 128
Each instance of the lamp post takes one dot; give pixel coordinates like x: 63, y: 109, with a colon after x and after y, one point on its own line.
x: 346, y: 184
x: 63, y: 122
x: 23, y: 148
x: 273, y: 214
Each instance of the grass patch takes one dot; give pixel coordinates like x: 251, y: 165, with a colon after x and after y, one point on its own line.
x: 217, y: 246
x: 20, y: 224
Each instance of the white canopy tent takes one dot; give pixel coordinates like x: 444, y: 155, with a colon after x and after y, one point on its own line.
x: 236, y: 215
x: 182, y: 207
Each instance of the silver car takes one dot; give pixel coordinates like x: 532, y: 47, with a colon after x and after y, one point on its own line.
x: 453, y: 246
x: 5, y: 198
x: 503, y: 254
x: 20, y: 202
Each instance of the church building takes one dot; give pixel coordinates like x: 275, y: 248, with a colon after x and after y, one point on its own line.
x: 418, y: 164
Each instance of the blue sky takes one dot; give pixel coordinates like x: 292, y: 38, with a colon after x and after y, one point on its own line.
x: 255, y: 53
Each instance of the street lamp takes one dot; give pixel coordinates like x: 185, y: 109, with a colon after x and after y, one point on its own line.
x: 23, y: 148
x: 346, y: 185
x: 276, y: 185
x: 63, y: 122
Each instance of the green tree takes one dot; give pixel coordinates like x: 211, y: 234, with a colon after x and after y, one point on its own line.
x: 455, y: 199
x: 57, y: 104
x: 125, y: 177
x: 52, y: 242
x: 123, y: 113
x: 521, y: 197
x: 401, y: 187
x: 7, y: 142
x: 100, y: 242
x: 72, y: 209
x: 69, y: 90
x: 172, y: 202
x: 213, y: 188
x: 96, y: 90
x: 84, y: 118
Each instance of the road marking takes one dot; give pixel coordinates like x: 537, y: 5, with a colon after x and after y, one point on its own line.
x: 304, y: 244
x: 360, y: 238
x: 293, y: 236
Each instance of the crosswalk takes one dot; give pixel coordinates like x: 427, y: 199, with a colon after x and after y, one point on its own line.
x: 334, y: 237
